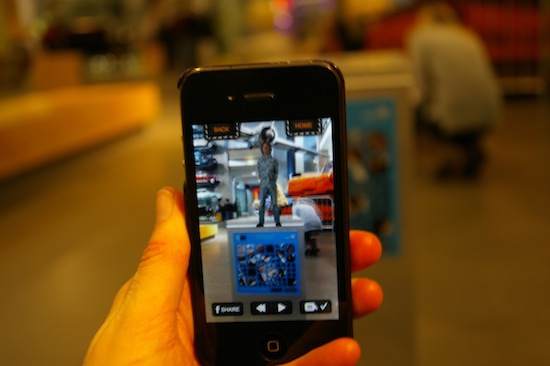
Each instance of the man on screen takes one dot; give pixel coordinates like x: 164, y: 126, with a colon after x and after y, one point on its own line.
x: 268, y: 170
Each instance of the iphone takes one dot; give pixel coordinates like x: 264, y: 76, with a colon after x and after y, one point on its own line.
x: 266, y: 209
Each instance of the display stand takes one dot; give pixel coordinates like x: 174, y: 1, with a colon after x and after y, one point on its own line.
x: 378, y: 92
x: 379, y: 122
x: 259, y: 257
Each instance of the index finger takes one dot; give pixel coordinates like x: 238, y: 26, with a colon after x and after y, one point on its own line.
x: 365, y: 249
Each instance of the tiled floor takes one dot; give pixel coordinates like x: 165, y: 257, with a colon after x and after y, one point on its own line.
x: 471, y: 287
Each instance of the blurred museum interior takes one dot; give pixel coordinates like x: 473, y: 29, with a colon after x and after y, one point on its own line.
x: 90, y: 131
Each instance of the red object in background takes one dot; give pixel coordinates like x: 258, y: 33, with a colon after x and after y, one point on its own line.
x: 256, y: 194
x: 310, y: 185
x: 511, y: 32
x: 204, y: 178
x: 327, y: 212
x: 513, y: 35
x: 391, y: 32
x: 287, y: 210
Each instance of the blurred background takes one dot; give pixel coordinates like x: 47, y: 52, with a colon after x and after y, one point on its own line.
x: 89, y: 131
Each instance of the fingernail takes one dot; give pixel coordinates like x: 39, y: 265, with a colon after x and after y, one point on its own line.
x: 165, y: 204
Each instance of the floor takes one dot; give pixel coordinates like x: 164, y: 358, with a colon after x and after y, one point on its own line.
x: 470, y: 287
x: 481, y: 253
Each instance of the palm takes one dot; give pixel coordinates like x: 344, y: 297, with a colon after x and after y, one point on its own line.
x: 151, y: 320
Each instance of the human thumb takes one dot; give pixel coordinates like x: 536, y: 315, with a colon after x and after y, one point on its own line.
x: 160, y: 277
x: 339, y: 352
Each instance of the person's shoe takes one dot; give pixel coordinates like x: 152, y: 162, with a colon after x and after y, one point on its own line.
x: 446, y: 171
x: 278, y: 224
x: 312, y: 251
x: 260, y: 225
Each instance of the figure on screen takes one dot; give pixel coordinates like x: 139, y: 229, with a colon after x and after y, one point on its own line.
x: 308, y: 212
x: 268, y: 170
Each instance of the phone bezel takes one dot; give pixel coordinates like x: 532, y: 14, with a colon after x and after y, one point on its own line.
x: 299, y: 89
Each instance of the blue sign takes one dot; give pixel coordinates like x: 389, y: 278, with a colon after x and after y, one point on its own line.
x: 373, y: 169
x: 267, y: 263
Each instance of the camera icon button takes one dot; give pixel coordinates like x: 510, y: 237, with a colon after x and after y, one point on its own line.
x: 315, y: 307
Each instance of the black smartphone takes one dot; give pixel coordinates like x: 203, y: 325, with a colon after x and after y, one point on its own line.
x: 266, y: 209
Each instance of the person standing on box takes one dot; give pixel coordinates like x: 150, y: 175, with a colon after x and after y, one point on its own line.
x: 268, y: 170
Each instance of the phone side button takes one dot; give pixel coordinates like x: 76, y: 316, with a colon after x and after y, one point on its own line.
x: 273, y: 347
x: 184, y: 172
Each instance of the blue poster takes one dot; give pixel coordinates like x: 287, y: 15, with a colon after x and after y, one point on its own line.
x: 267, y: 263
x: 373, y: 169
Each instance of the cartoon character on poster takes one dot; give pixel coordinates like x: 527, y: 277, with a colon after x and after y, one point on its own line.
x: 372, y: 168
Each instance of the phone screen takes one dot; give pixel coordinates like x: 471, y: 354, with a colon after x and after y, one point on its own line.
x: 266, y: 213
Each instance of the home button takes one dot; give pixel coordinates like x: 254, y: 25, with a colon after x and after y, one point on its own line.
x: 273, y: 347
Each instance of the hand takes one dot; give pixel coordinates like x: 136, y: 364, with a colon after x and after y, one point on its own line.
x: 151, y: 321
